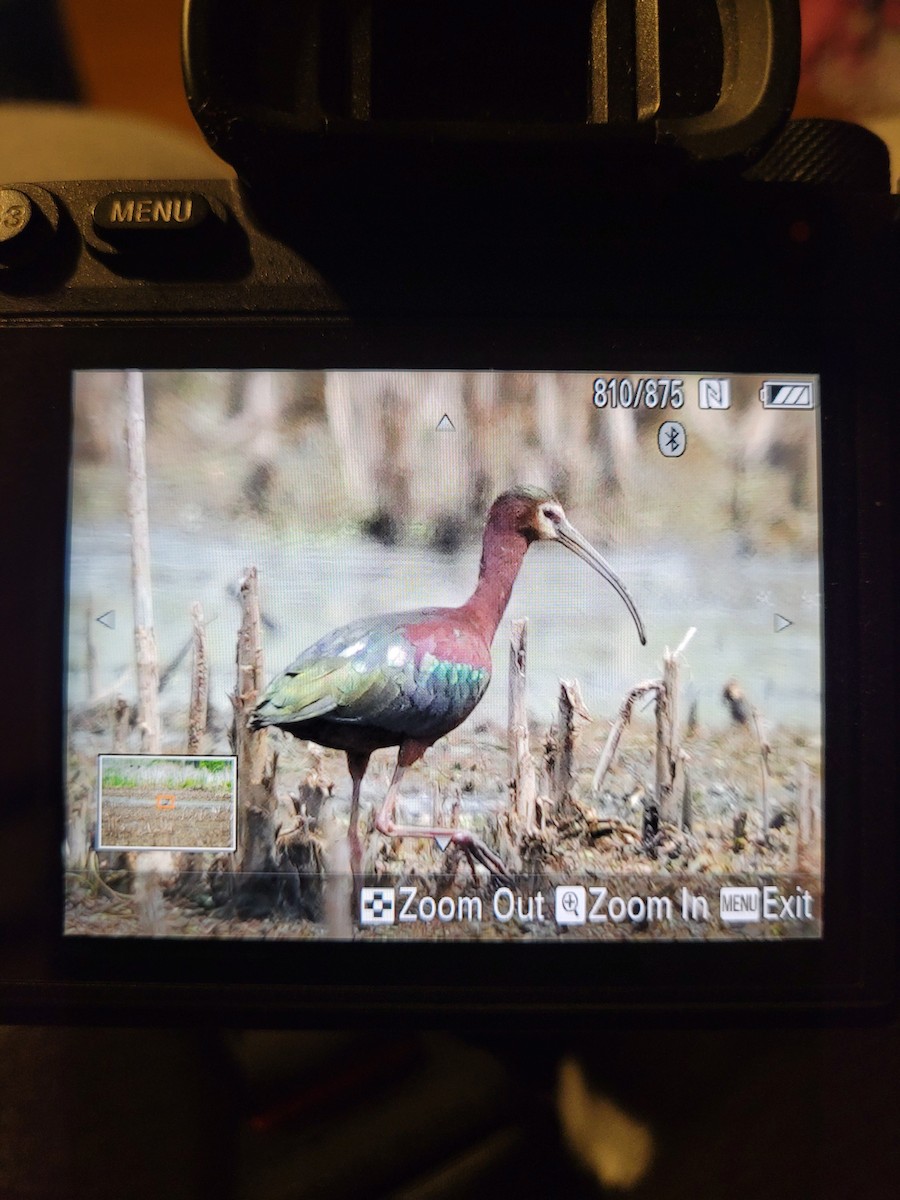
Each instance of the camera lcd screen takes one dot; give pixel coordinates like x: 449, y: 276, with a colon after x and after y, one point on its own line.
x: 380, y: 655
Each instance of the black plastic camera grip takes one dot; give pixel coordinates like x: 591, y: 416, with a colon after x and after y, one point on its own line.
x: 524, y: 85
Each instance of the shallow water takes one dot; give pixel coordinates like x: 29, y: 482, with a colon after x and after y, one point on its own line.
x: 578, y: 627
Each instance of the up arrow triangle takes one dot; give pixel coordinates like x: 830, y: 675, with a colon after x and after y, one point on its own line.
x: 781, y: 623
x: 443, y: 840
x: 445, y: 425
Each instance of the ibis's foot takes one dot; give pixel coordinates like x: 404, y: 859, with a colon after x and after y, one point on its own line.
x: 477, y: 852
x: 475, y: 849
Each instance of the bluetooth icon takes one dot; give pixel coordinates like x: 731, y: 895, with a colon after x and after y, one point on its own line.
x: 671, y: 439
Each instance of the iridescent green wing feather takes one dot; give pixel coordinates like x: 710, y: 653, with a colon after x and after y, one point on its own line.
x: 335, y: 673
x: 370, y: 673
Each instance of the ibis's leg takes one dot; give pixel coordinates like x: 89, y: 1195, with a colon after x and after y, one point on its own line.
x: 474, y: 847
x: 384, y: 821
x: 357, y: 762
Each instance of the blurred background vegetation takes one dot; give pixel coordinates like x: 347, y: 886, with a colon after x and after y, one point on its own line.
x: 340, y: 488
x: 323, y: 453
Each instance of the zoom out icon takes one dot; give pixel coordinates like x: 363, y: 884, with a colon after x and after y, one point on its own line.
x: 376, y: 906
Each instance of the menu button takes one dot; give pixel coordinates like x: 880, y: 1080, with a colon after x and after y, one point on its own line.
x: 139, y: 212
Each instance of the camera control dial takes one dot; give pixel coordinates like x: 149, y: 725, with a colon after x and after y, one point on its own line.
x: 27, y: 220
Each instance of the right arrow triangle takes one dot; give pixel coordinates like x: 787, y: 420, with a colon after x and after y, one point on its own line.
x: 781, y: 622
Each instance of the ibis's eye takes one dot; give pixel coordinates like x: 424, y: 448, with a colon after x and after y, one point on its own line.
x: 551, y: 514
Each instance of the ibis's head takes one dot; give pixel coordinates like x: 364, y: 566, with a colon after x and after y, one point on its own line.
x: 538, y: 516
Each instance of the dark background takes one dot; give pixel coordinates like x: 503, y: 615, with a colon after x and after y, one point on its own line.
x: 783, y: 1110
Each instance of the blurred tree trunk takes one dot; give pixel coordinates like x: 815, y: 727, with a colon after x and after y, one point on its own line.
x: 146, y: 656
x: 149, y: 866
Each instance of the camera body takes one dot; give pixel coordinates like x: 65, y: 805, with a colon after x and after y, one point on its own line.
x: 637, y: 263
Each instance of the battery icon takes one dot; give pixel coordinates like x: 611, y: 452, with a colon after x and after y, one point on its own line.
x: 779, y: 394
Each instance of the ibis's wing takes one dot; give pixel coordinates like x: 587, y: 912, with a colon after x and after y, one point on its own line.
x: 355, y: 674
x: 373, y: 672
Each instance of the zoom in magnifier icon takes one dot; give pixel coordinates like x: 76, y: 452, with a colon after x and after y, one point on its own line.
x: 571, y: 904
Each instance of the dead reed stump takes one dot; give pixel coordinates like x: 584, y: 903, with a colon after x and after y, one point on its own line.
x: 666, y: 724
x: 199, y: 703
x: 120, y: 718
x: 523, y: 777
x: 255, y: 780
x: 739, y: 833
x: 618, y: 728
x: 562, y: 781
x: 190, y: 866
x: 78, y: 835
x: 659, y: 802
x: 764, y: 751
x: 808, y: 847
x: 270, y: 873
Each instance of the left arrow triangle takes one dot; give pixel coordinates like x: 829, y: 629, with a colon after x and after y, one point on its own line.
x: 108, y: 619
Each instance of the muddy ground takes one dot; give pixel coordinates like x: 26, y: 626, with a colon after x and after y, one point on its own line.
x: 596, y: 839
x: 197, y: 819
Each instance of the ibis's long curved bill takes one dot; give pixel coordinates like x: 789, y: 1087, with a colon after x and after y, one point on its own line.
x: 572, y: 540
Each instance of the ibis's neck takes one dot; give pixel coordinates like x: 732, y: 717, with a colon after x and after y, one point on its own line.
x: 501, y: 558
